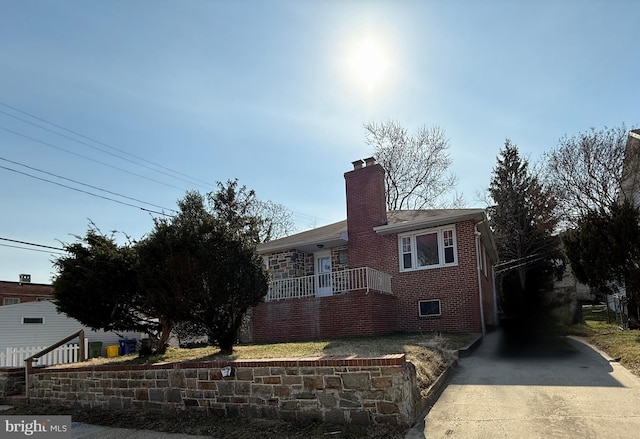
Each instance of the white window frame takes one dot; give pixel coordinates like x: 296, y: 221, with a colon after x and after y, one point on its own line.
x: 430, y: 315
x: 410, y: 237
x: 33, y: 323
x: 10, y: 300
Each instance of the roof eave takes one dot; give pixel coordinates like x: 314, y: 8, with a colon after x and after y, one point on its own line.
x: 407, y: 226
x: 321, y: 242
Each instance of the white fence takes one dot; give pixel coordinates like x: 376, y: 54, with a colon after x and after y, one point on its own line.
x: 14, y: 357
x: 337, y: 282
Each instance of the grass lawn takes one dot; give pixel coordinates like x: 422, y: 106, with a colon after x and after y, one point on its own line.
x: 608, y: 337
x: 431, y: 353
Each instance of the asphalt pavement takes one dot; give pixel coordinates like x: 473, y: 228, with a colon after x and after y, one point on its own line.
x: 551, y: 387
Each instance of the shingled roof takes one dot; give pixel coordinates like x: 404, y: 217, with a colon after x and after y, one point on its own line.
x: 397, y: 221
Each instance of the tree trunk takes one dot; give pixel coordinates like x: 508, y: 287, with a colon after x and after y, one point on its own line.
x: 165, y: 333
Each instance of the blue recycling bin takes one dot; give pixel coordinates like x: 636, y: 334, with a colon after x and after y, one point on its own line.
x: 128, y: 346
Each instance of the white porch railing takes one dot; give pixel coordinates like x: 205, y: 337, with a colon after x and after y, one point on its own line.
x: 14, y: 357
x: 337, y: 282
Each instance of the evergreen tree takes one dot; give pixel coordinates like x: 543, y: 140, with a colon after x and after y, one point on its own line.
x: 604, y: 250
x: 97, y: 284
x: 523, y: 221
x: 198, y: 269
x: 200, y: 266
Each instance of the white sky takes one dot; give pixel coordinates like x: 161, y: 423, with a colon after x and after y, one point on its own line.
x: 272, y: 93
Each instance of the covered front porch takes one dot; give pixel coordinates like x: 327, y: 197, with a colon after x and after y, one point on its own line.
x: 329, y: 284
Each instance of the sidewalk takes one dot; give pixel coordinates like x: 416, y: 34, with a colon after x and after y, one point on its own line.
x: 88, y: 431
x: 80, y: 430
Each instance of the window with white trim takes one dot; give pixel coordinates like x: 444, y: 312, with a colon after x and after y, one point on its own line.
x: 428, y: 249
x: 10, y: 300
x: 33, y: 320
x: 428, y: 308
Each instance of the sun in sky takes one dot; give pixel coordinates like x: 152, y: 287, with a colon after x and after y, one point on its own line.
x: 368, y: 62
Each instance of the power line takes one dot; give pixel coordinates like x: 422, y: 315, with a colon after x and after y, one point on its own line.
x: 31, y: 243
x: 83, y: 191
x: 310, y: 219
x: 88, y: 185
x: 99, y: 149
x: 89, y: 158
x: 208, y: 185
x: 32, y: 249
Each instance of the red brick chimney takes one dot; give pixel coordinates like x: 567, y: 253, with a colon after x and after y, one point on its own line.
x: 366, y: 209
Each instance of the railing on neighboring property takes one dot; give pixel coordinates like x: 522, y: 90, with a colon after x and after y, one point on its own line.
x: 14, y: 357
x: 337, y: 282
x: 82, y: 354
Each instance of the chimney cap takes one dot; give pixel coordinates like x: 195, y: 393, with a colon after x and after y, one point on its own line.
x: 357, y: 164
x: 370, y: 161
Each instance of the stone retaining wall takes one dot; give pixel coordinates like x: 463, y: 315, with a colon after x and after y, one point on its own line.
x: 379, y: 390
x: 11, y: 381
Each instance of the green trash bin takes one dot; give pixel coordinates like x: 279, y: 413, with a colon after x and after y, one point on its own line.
x: 95, y: 349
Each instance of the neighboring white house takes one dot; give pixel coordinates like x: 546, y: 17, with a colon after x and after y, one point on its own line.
x: 39, y: 324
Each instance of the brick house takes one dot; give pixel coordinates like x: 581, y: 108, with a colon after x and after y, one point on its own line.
x: 12, y: 293
x: 379, y: 272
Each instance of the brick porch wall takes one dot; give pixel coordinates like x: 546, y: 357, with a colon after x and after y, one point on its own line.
x: 354, y: 314
x: 378, y: 390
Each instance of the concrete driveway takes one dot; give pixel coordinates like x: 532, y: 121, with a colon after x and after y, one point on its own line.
x: 553, y: 388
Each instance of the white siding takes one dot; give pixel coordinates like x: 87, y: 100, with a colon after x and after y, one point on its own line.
x: 13, y: 333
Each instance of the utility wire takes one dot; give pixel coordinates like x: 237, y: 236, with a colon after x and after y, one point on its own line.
x: 299, y: 214
x: 31, y: 243
x: 89, y: 158
x: 99, y: 149
x: 208, y: 185
x: 83, y: 191
x: 32, y: 249
x: 88, y: 185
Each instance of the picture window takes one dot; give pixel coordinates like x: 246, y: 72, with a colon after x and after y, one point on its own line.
x: 430, y: 248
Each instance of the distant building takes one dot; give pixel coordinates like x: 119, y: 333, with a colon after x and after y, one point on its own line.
x: 12, y: 293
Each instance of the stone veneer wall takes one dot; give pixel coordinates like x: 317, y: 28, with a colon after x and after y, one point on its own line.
x: 11, y: 381
x: 295, y: 263
x: 379, y: 390
x: 287, y: 264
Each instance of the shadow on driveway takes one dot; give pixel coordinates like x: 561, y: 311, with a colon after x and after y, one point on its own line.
x: 537, y: 361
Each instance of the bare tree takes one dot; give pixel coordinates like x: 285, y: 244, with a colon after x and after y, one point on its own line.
x: 416, y: 166
x: 586, y: 171
x: 278, y: 220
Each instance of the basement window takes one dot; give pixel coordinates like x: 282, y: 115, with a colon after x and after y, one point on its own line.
x: 33, y: 320
x: 428, y: 308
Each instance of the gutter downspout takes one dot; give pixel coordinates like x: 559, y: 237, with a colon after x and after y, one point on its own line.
x: 495, y: 296
x: 478, y: 234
